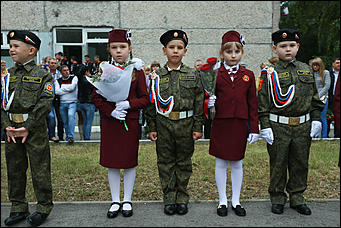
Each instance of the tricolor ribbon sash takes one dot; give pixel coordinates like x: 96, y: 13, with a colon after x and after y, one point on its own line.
x: 162, y: 106
x: 6, y: 103
x: 279, y: 99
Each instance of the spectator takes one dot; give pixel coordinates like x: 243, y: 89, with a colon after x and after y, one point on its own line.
x: 74, y: 66
x: 67, y: 88
x: 96, y: 65
x: 208, y: 122
x: 86, y: 107
x: 197, y: 64
x: 155, y: 65
x: 45, y: 63
x: 3, y: 73
x: 336, y: 107
x: 51, y: 118
x: 61, y: 59
x: 89, y: 64
x: 322, y: 80
x: 334, y: 72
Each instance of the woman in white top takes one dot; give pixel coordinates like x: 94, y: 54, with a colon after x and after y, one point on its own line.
x: 322, y: 80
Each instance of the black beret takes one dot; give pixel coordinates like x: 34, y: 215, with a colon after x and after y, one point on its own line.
x: 173, y: 35
x: 285, y: 35
x: 24, y: 36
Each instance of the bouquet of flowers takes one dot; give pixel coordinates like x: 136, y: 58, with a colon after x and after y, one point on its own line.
x: 114, y: 81
x: 208, y: 75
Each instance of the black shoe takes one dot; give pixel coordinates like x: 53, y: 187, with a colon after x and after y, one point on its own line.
x: 222, y: 210
x: 54, y: 139
x: 127, y: 213
x: 277, y: 208
x: 71, y: 141
x: 113, y: 214
x: 239, y: 210
x: 170, y: 209
x: 37, y: 218
x: 302, y: 209
x: 15, y: 217
x: 181, y: 209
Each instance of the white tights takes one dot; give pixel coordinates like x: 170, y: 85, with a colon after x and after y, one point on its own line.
x: 115, y: 181
x: 236, y: 179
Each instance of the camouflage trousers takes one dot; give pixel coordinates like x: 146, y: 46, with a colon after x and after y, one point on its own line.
x: 174, y: 148
x: 289, y: 154
x: 35, y: 149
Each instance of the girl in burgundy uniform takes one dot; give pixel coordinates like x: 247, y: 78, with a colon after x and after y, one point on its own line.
x: 119, y: 139
x: 236, y: 119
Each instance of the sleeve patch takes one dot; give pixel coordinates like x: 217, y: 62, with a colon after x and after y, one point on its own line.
x: 49, y: 88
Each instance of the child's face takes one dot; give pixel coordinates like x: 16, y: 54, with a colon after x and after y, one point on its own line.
x: 315, y: 67
x: 3, y: 66
x: 119, y: 51
x: 21, y: 52
x: 175, y: 51
x: 232, y: 56
x: 286, y: 50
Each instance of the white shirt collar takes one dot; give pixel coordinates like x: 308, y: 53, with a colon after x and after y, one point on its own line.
x: 169, y: 69
x: 227, y: 67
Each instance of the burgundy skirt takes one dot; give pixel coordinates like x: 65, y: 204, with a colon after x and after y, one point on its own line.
x: 228, y: 139
x: 119, y: 148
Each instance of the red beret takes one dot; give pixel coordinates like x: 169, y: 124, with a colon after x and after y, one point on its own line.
x: 120, y: 35
x: 233, y: 36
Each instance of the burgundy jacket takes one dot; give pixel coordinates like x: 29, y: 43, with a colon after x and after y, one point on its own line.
x: 138, y: 98
x: 237, y: 99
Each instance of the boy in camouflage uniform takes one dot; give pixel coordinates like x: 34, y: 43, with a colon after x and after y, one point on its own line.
x: 289, y: 112
x: 27, y: 94
x: 178, y: 125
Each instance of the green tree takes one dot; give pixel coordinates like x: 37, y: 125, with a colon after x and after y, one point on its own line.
x: 319, y: 25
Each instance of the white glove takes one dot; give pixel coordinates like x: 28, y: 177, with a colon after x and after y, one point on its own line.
x: 122, y: 105
x: 316, y: 127
x: 267, y: 135
x: 211, y: 101
x: 119, y: 114
x: 253, y: 137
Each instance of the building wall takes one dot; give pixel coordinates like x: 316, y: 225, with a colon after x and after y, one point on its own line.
x: 204, y: 22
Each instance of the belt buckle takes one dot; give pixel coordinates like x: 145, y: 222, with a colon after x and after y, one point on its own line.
x: 294, y: 121
x: 174, y: 116
x: 17, y: 118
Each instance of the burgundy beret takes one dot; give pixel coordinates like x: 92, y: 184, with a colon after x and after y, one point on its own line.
x: 120, y: 35
x: 233, y: 36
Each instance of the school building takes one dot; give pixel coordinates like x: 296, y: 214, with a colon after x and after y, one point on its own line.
x: 77, y: 28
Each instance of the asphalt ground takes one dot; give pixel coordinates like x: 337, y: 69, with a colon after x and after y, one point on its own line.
x: 325, y: 213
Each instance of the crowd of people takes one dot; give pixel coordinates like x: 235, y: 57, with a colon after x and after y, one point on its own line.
x: 286, y: 106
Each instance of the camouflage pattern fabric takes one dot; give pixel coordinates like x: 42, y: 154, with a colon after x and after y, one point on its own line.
x: 34, y: 92
x: 291, y: 146
x: 175, y: 145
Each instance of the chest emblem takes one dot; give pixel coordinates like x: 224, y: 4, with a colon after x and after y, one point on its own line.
x: 246, y: 78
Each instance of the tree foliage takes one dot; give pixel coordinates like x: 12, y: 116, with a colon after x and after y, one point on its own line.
x: 319, y: 25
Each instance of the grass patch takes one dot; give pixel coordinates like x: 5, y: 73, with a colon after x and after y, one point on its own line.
x: 77, y: 175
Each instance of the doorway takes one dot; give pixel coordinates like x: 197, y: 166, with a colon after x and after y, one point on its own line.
x: 70, y: 51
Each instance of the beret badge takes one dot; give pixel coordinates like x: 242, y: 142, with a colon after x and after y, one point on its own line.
x: 11, y: 34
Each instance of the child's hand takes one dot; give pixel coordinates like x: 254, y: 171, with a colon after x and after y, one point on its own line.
x: 196, y: 135
x: 152, y: 136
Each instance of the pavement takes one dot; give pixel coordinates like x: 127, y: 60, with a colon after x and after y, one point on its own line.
x: 325, y: 213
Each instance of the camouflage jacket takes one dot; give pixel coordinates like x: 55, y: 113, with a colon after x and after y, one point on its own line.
x: 306, y: 98
x: 34, y: 92
x: 186, y: 88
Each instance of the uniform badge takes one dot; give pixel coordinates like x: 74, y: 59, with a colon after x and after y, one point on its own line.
x: 246, y: 78
x: 296, y: 37
x: 284, y: 35
x: 184, y: 37
x: 29, y: 40
x: 175, y: 34
x: 11, y: 34
x: 49, y: 88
